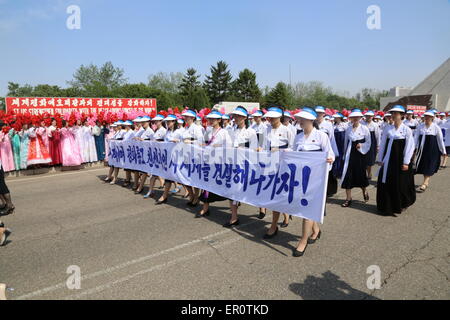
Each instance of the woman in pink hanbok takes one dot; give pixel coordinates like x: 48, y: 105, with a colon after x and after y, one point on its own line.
x: 78, y: 131
x: 70, y: 152
x: 6, y: 153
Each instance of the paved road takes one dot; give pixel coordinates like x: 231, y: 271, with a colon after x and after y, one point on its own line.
x: 127, y: 248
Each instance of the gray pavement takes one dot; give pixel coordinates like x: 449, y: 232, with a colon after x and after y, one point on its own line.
x: 128, y: 248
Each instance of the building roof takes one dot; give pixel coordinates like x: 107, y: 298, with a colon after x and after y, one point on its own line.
x: 437, y: 83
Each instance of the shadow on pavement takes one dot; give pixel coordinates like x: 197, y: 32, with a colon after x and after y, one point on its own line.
x: 220, y: 214
x: 328, y: 287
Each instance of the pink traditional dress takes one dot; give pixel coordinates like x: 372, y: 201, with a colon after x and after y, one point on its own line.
x: 70, y: 150
x: 6, y: 153
x: 78, y: 131
x: 37, y: 152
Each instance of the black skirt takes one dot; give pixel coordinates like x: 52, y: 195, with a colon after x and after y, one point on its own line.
x: 430, y: 157
x: 3, y: 188
x: 338, y: 164
x: 356, y: 175
x: 209, y: 197
x: 372, y: 154
x: 332, y: 186
x: 399, y: 190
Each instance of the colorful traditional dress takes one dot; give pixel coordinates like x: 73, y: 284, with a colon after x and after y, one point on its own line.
x: 6, y: 153
x: 70, y: 151
x: 24, y: 142
x: 99, y: 136
x: 55, y: 145
x: 37, y: 152
x: 15, y: 142
x: 78, y: 131
x: 89, y: 152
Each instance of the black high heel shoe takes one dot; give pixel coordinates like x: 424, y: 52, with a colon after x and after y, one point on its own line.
x: 346, y: 204
x: 229, y: 225
x: 199, y: 215
x: 297, y: 253
x: 366, y: 197
x: 312, y: 241
x: 261, y: 215
x: 7, y: 211
x: 192, y: 204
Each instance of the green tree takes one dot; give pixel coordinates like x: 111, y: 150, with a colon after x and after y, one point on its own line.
x: 97, y: 80
x: 279, y: 95
x: 15, y: 90
x: 245, y: 88
x: 189, y: 82
x: 168, y: 82
x: 218, y: 84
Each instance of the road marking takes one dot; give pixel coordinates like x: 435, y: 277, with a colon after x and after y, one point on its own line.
x: 157, y: 267
x: 53, y: 175
x: 128, y: 263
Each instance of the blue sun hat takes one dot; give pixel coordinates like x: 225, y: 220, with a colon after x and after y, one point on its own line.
x: 355, y: 113
x: 241, y: 111
x: 370, y: 113
x: 288, y: 114
x: 429, y: 113
x: 159, y: 117
x: 128, y: 123
x: 226, y: 117
x: 398, y: 108
x: 145, y: 118
x: 338, y: 115
x: 319, y: 109
x: 274, y: 112
x: 307, y: 113
x: 189, y: 113
x: 170, y: 117
x: 258, y: 113
x: 214, y: 115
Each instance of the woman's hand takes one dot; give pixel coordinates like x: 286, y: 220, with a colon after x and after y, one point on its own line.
x: 330, y: 160
x: 405, y: 167
x: 358, y: 146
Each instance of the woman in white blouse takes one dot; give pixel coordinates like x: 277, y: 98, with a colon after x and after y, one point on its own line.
x: 277, y: 137
x: 242, y: 137
x: 429, y: 146
x: 357, y: 144
x: 192, y: 134
x: 216, y: 137
x: 160, y: 133
x: 310, y: 140
x: 395, y: 187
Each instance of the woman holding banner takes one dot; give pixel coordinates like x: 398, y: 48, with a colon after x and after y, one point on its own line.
x: 173, y: 136
x: 358, y: 142
x: 395, y: 187
x: 242, y: 137
x: 113, y: 171
x: 429, y: 148
x: 311, y: 140
x: 192, y: 134
x: 217, y: 137
x: 160, y: 133
x: 146, y: 135
x: 278, y: 137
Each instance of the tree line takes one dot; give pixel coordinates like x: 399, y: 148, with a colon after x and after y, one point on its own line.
x: 186, y: 89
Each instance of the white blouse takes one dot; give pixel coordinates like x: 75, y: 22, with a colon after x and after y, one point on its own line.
x: 193, y: 132
x: 280, y: 137
x: 392, y: 133
x: 433, y: 130
x: 147, y: 134
x: 373, y: 128
x: 159, y: 134
x: 242, y: 137
x: 316, y: 141
x: 218, y: 138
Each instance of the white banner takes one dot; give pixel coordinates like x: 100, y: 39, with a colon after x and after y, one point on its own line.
x: 286, y: 181
x: 446, y: 136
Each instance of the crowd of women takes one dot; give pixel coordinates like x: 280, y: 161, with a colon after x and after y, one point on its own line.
x: 401, y: 143
x: 38, y: 144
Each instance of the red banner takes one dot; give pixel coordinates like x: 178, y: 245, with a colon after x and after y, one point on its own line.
x: 417, y: 109
x: 39, y: 105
